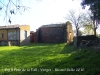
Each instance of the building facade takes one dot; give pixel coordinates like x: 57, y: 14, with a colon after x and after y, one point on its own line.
x: 15, y: 35
x: 55, y: 33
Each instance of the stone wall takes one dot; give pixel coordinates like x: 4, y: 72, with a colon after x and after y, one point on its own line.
x: 3, y: 43
x: 70, y: 33
x: 52, y: 34
x: 55, y: 33
x: 31, y: 37
x: 83, y: 38
x: 10, y: 43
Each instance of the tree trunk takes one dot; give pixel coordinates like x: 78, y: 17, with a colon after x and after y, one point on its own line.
x: 76, y: 37
x: 95, y: 31
x: 94, y: 27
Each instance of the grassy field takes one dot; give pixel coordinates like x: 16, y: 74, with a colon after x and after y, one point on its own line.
x: 48, y: 59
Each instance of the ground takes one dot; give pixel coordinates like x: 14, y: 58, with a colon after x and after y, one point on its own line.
x: 48, y: 59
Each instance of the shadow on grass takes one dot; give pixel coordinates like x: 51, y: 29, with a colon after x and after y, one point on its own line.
x: 68, y: 49
x: 49, y: 60
x: 43, y: 44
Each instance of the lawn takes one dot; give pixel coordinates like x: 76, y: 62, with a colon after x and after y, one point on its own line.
x: 48, y: 59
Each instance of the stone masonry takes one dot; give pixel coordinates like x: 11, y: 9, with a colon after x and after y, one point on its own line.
x: 55, y: 33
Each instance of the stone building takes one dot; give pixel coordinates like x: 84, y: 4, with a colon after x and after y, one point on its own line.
x: 15, y: 35
x: 55, y: 33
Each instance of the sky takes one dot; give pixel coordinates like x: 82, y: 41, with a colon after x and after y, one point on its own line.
x: 42, y: 12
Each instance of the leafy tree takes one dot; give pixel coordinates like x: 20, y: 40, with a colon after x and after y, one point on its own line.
x: 11, y: 7
x: 80, y: 32
x: 88, y: 29
x: 95, y: 9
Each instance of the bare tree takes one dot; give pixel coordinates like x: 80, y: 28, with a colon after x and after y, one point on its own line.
x: 77, y: 19
x: 11, y: 7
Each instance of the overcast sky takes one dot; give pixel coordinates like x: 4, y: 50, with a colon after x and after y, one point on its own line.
x: 43, y: 12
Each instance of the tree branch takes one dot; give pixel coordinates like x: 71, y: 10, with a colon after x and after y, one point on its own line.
x: 11, y: 6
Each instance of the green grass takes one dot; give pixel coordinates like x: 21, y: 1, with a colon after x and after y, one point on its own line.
x: 48, y: 59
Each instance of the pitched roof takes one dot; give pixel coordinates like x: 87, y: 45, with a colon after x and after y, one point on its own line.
x: 54, y: 25
x: 31, y: 31
x: 11, y: 26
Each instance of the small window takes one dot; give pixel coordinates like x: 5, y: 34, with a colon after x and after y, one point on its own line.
x: 2, y: 35
x: 25, y: 34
